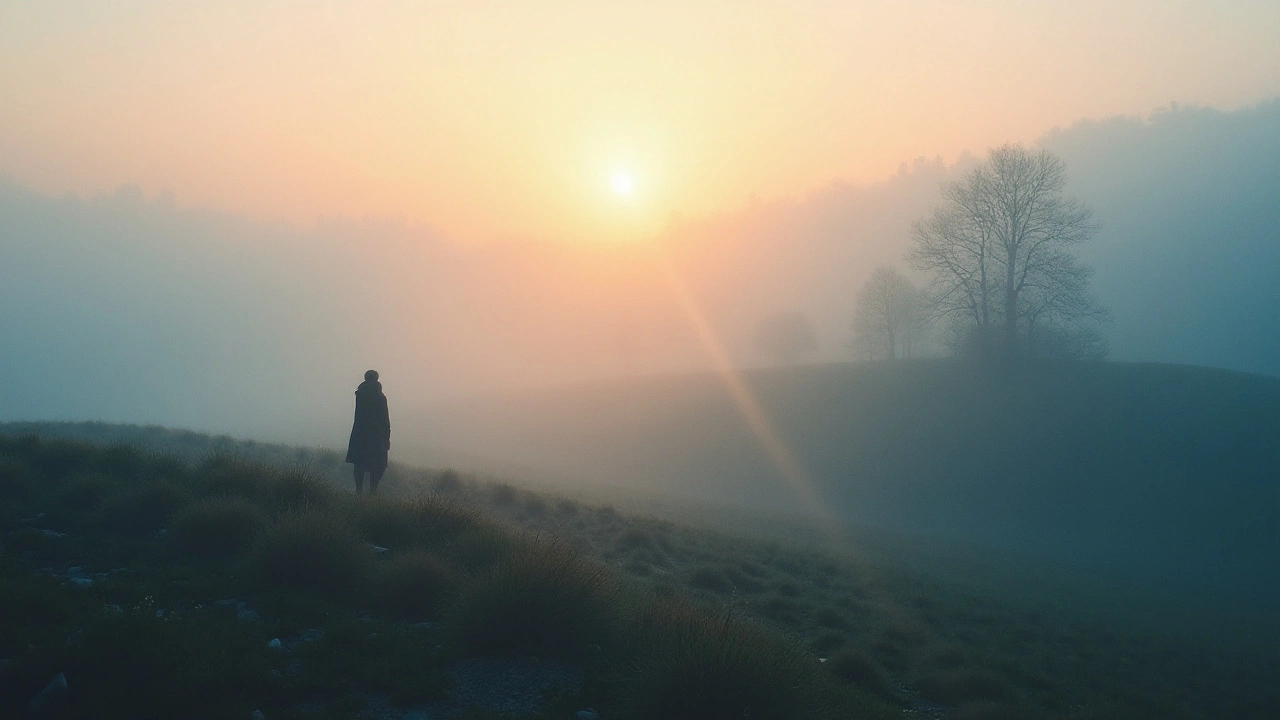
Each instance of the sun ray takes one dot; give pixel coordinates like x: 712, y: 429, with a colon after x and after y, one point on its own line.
x: 780, y: 455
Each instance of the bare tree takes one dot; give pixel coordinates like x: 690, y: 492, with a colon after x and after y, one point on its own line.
x: 999, y: 249
x: 786, y: 337
x: 888, y: 317
x: 1059, y: 316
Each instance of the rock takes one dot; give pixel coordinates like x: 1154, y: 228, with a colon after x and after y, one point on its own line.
x: 312, y: 635
x: 257, y: 715
x: 248, y: 616
x: 81, y: 582
x: 274, y: 644
x: 228, y: 602
x: 587, y: 714
x: 76, y: 571
x: 51, y: 698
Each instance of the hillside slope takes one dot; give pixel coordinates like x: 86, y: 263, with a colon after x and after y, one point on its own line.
x: 1166, y: 471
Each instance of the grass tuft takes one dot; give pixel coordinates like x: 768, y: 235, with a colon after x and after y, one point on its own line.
x: 295, y: 489
x: 312, y: 549
x: 415, y: 585
x: 218, y: 527
x: 427, y: 522
x: 542, y: 597
x: 695, y: 664
x: 143, y: 509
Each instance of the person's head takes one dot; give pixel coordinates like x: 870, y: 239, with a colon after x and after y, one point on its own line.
x: 371, y: 376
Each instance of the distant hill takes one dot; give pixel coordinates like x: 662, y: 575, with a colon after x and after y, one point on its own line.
x: 1159, y: 470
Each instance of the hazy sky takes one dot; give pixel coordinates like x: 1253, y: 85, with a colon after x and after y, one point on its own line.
x: 511, y: 120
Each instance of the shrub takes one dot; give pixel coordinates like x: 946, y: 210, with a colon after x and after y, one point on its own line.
x: 218, y: 527
x: 415, y: 584
x: 693, y: 664
x: 541, y: 597
x: 312, y: 549
x: 143, y: 509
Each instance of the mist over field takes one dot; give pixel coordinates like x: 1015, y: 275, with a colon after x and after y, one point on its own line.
x: 137, y: 307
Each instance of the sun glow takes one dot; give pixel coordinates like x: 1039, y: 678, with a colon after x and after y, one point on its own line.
x: 623, y: 184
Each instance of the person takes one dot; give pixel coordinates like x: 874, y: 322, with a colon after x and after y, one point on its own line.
x: 370, y: 434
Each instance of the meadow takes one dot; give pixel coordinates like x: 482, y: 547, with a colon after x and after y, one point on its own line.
x: 234, y: 577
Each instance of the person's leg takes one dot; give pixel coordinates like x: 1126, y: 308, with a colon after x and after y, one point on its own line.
x: 358, y: 473
x: 375, y: 475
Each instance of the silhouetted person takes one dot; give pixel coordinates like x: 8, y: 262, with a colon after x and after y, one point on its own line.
x: 370, y: 434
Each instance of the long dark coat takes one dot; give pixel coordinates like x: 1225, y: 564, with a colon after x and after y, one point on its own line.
x: 371, y: 431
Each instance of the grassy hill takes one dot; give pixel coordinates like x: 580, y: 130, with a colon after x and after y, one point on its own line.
x: 150, y: 588
x: 221, y: 584
x: 1168, y: 472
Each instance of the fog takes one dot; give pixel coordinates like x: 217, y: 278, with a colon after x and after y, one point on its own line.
x: 138, y: 308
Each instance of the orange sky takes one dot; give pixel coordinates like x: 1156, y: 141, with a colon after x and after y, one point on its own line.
x: 506, y: 119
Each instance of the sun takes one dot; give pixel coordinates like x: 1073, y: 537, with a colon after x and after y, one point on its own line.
x: 622, y: 183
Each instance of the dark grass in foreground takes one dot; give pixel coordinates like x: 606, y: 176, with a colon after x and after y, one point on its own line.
x: 927, y: 628
x: 157, y: 590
